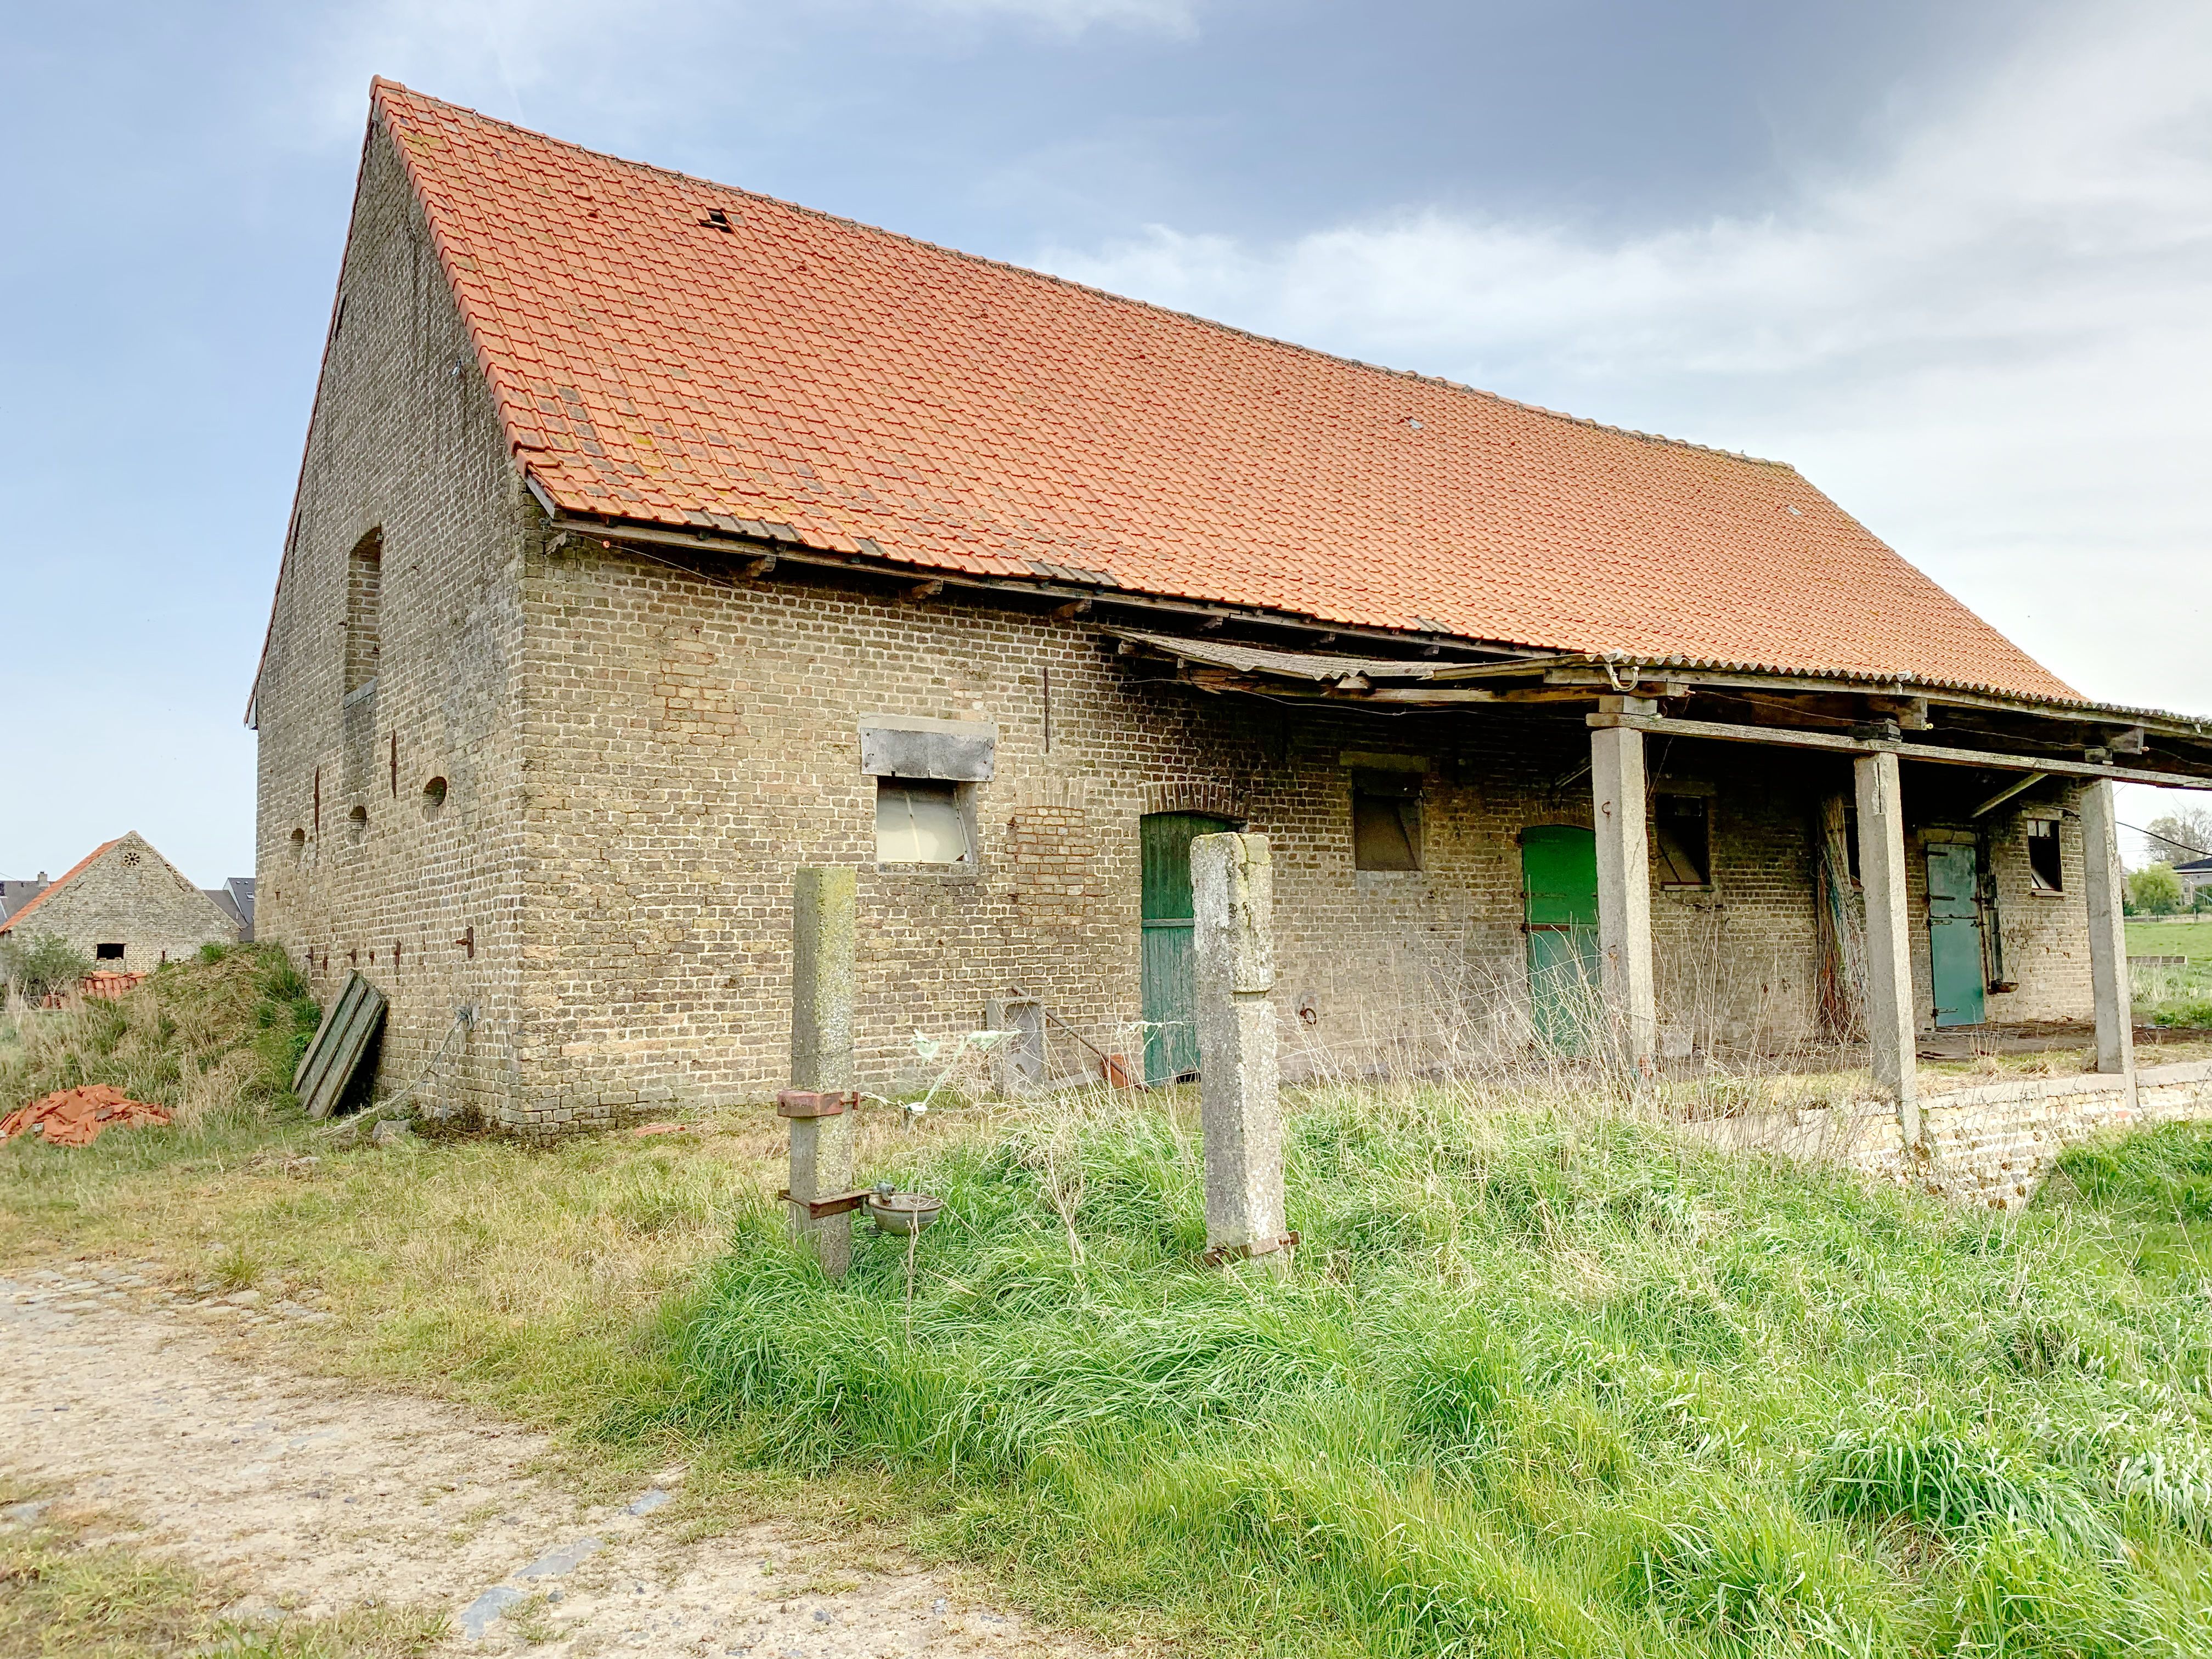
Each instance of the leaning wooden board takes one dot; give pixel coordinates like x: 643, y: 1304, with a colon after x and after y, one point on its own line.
x: 350, y: 1025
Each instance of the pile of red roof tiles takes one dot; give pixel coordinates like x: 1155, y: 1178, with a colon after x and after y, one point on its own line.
x: 77, y: 1117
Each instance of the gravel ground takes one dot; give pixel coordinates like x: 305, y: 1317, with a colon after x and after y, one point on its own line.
x: 152, y: 1410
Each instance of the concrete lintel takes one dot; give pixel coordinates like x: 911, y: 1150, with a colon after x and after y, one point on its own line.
x: 2179, y: 1071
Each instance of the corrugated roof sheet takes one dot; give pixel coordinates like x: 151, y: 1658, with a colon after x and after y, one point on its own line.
x: 796, y: 374
x: 1316, y: 665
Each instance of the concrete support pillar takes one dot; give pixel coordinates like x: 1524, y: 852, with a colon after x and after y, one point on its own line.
x: 1892, y: 1033
x: 823, y: 906
x: 2102, y: 884
x: 1232, y: 889
x: 1621, y: 818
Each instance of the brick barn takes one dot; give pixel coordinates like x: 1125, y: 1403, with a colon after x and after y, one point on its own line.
x: 126, y: 907
x: 654, y: 538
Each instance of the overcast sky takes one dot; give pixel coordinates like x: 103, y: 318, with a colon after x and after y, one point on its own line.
x: 1953, y: 259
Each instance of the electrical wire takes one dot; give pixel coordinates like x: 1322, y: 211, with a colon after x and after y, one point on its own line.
x: 2182, y: 846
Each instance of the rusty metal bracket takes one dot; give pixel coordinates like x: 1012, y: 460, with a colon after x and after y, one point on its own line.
x: 836, y: 1204
x: 806, y: 1103
x: 1222, y: 1255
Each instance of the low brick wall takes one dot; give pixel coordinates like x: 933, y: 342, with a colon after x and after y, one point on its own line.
x: 1991, y: 1144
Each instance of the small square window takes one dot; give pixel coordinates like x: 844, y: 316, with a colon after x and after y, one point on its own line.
x: 1386, y: 821
x: 1683, y: 831
x: 2045, y: 874
x: 107, y: 953
x: 921, y: 821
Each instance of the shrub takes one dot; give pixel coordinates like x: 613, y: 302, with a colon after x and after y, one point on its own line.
x: 2154, y: 891
x: 33, y: 969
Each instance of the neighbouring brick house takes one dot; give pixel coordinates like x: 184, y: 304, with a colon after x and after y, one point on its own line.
x: 654, y: 538
x: 127, y: 908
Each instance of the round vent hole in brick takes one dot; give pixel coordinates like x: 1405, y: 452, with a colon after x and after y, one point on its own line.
x: 434, y: 798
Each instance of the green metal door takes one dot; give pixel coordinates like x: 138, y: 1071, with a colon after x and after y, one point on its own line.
x: 1169, y: 982
x: 1954, y: 935
x: 1558, y: 884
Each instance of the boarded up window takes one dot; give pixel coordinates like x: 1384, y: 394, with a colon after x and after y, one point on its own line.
x: 1386, y: 820
x: 919, y: 822
x: 2045, y: 873
x: 1683, y: 829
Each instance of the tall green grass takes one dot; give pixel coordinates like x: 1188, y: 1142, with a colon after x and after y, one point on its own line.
x: 1537, y: 1385
x: 221, y: 1032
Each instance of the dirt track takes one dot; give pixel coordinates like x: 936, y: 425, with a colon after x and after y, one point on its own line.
x: 313, y: 1498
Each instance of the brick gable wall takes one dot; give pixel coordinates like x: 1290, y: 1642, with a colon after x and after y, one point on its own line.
x: 357, y: 866
x: 132, y: 897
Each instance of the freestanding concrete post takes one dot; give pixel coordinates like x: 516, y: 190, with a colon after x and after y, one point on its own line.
x: 1618, y: 814
x: 1892, y: 1033
x: 2108, y: 943
x: 823, y: 904
x: 1233, y: 894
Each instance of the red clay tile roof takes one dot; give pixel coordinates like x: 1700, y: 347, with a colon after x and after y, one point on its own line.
x: 54, y: 887
x: 881, y: 395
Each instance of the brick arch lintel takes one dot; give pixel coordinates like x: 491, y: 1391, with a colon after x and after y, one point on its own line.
x: 1220, y: 799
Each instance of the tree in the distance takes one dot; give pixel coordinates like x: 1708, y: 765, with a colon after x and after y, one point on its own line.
x: 2154, y: 891
x: 2180, y: 836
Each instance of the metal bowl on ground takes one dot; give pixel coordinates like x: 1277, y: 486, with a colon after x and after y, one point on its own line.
x: 902, y: 1213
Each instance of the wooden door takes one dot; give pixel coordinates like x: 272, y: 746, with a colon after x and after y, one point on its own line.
x: 1169, y: 977
x: 1954, y: 935
x: 1558, y: 885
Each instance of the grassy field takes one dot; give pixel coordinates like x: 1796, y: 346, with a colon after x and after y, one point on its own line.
x: 1540, y: 1383
x: 2191, y: 939
x: 2173, y: 996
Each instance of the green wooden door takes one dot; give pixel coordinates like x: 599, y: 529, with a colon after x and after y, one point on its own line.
x: 1954, y: 935
x: 1558, y: 885
x: 1169, y: 981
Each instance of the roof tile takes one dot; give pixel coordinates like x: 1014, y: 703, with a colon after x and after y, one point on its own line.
x: 963, y: 415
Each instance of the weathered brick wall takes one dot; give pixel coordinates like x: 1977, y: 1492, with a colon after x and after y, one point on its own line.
x: 1995, y: 1144
x: 132, y: 897
x: 1990, y: 1145
x: 691, y: 743
x: 358, y: 868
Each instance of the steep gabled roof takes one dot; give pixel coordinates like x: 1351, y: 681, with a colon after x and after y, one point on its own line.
x: 671, y: 352
x: 56, y: 886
